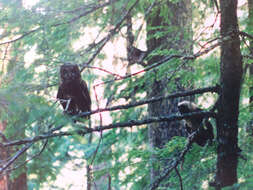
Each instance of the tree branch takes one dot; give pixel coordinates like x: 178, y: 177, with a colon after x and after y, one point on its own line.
x: 129, y: 123
x: 180, y: 179
x: 86, y: 12
x: 104, y: 70
x: 168, y: 58
x: 3, y: 137
x: 109, y: 36
x: 16, y: 156
x: 155, y: 99
x: 34, y: 156
x: 174, y: 164
x: 246, y: 34
x: 22, y: 36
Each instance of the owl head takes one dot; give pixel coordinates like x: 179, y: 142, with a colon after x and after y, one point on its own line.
x: 187, y: 107
x: 69, y: 72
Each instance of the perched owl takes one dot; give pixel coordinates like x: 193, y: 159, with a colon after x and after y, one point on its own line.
x: 204, y: 129
x: 73, y: 91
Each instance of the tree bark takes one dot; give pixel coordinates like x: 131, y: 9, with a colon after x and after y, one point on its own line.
x: 250, y: 27
x: 4, y: 179
x: 179, y: 19
x: 20, y: 181
x: 228, y: 110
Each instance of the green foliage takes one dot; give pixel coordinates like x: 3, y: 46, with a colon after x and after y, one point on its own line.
x: 28, y: 91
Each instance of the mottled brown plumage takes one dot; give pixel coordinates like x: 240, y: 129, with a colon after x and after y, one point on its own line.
x: 73, y: 91
x: 204, y: 129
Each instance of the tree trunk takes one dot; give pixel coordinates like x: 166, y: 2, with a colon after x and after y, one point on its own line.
x: 20, y: 181
x: 179, y: 19
x: 228, y: 110
x: 250, y: 26
x: 4, y: 179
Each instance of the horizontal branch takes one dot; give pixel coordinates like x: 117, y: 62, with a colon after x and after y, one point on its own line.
x: 152, y: 120
x: 154, y: 99
x: 129, y: 123
x: 87, y: 10
x: 104, y: 70
x: 21, y: 37
x: 170, y: 57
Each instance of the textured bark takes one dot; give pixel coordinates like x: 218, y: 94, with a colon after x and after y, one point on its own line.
x: 19, y: 182
x: 89, y: 167
x: 250, y: 26
x: 228, y: 110
x: 4, y: 179
x: 179, y: 18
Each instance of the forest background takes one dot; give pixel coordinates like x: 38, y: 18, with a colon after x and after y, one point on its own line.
x: 139, y: 59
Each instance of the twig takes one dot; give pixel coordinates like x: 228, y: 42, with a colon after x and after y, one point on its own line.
x: 5, y: 55
x: 168, y: 58
x: 210, y: 26
x: 148, y: 10
x: 246, y: 34
x: 85, y: 13
x: 16, y: 156
x: 101, y: 132
x: 22, y: 36
x: 216, y: 5
x: 101, y: 69
x: 174, y: 164
x: 180, y: 179
x: 3, y: 137
x: 25, y: 162
x: 58, y: 24
x: 109, y: 182
x: 67, y: 106
x: 109, y: 36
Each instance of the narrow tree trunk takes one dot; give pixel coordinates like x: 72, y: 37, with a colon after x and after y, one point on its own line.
x: 89, y: 167
x: 179, y: 19
x: 4, y: 179
x: 250, y: 26
x: 20, y: 181
x: 228, y: 110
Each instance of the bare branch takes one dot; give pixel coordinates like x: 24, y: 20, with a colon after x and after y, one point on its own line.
x: 155, y: 99
x: 22, y: 36
x: 129, y: 123
x: 174, y: 164
x: 104, y: 70
x: 168, y: 58
x: 246, y: 34
x: 3, y: 137
x: 85, y: 13
x: 248, y: 56
x: 16, y: 156
x: 25, y: 162
x: 101, y: 132
x: 180, y: 179
x: 109, y: 36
